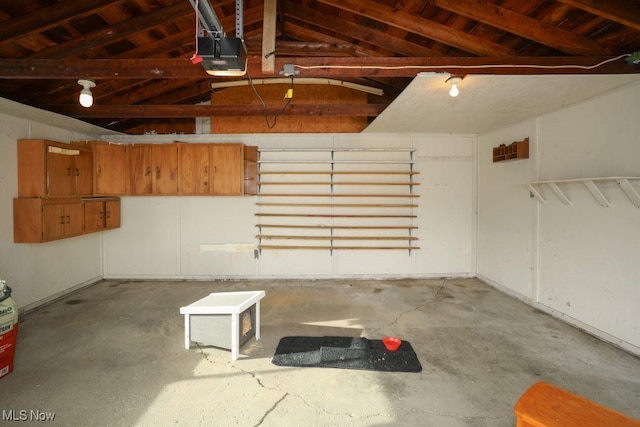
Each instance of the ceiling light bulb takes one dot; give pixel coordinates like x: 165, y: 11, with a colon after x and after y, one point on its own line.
x: 454, y: 91
x: 86, y: 98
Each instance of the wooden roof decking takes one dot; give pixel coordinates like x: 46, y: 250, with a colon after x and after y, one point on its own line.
x: 139, y: 50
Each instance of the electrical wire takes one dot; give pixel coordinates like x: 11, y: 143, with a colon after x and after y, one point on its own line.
x: 408, y: 67
x: 264, y: 106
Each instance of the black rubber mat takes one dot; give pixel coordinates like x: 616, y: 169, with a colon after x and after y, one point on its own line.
x: 345, y: 353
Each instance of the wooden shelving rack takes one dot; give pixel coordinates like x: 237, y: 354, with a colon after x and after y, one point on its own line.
x: 336, y: 199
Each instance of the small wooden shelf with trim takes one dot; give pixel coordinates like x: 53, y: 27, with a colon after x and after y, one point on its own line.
x: 515, y: 151
x: 592, y: 185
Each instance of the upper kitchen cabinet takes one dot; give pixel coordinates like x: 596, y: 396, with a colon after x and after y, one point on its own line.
x: 111, y: 171
x: 153, y: 169
x: 52, y: 169
x: 228, y: 169
x: 195, y: 169
x: 212, y: 169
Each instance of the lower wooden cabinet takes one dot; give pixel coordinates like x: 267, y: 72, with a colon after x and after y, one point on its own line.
x: 37, y: 220
x: 101, y: 214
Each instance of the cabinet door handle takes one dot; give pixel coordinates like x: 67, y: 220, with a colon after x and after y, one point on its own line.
x: 99, y: 168
x: 69, y: 171
x: 157, y: 171
x: 108, y: 214
x: 77, y: 172
x: 148, y: 171
x: 62, y: 219
x: 68, y: 219
x: 206, y: 169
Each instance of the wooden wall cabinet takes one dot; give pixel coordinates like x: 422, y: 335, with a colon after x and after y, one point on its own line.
x: 195, y: 169
x: 212, y: 169
x: 250, y: 170
x: 52, y: 169
x: 101, y: 214
x: 111, y: 169
x: 228, y: 169
x: 154, y: 169
x: 40, y: 220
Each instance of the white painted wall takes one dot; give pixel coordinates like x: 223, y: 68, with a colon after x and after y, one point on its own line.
x: 214, y: 237
x: 578, y: 261
x: 37, y: 272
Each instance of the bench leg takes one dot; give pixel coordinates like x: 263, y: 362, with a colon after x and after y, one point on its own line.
x: 187, y: 332
x: 235, y: 332
x: 257, y: 320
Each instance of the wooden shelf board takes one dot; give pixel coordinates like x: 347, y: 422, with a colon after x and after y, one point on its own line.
x: 338, y: 162
x: 336, y: 150
x: 302, y: 215
x: 340, y: 227
x: 342, y: 205
x: 338, y: 173
x: 337, y: 183
x: 294, y: 237
x: 406, y: 195
x: 337, y: 247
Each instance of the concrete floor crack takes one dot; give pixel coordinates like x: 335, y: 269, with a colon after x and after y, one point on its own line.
x: 401, y: 315
x: 270, y: 410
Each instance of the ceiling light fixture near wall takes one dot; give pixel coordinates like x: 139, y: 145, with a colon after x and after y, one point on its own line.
x: 454, y: 80
x: 86, y: 98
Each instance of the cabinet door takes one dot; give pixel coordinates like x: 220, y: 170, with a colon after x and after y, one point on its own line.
x: 59, y: 172
x: 53, y: 221
x: 194, y: 169
x: 73, y: 219
x: 94, y: 216
x: 111, y: 169
x: 82, y: 175
x: 165, y: 160
x: 141, y: 169
x: 112, y: 214
x: 61, y: 220
x: 228, y: 170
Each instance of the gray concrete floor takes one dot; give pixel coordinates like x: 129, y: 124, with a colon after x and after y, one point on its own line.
x: 113, y: 354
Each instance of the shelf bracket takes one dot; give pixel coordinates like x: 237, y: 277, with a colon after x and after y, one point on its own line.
x: 558, y: 192
x: 536, y: 193
x: 630, y: 191
x: 595, y: 191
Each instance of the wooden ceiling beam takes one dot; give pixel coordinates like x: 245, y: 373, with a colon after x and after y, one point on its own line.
x: 523, y: 26
x: 338, y: 67
x: 116, y: 32
x: 269, y: 36
x: 424, y: 27
x: 49, y: 17
x: 176, y: 111
x: 624, y: 12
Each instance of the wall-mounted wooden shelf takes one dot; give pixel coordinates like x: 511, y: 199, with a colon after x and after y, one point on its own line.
x: 514, y: 151
x: 592, y: 186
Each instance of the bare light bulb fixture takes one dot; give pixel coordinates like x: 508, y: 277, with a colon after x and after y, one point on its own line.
x: 454, y: 91
x: 86, y: 98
